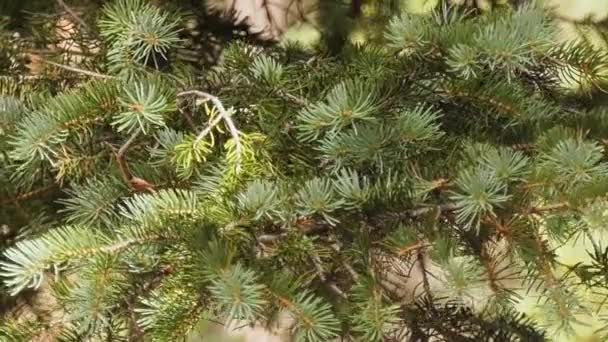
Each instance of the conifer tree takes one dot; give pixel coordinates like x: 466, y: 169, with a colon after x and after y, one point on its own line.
x: 417, y: 187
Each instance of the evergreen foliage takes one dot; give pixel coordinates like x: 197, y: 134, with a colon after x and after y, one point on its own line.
x: 416, y: 187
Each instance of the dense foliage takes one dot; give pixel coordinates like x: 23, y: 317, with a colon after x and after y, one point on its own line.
x: 416, y: 187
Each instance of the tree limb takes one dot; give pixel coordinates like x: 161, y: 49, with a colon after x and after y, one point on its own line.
x: 134, y: 183
x: 265, y: 238
x: 330, y: 285
x: 77, y: 70
x: 74, y: 15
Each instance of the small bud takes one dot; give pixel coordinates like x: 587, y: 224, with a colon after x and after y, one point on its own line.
x: 140, y: 185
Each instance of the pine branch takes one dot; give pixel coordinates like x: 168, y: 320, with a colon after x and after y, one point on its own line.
x: 391, y: 186
x: 223, y: 115
x: 314, y: 319
x: 27, y: 260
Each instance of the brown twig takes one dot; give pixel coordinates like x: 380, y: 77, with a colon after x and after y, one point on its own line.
x: 346, y: 265
x: 407, y: 250
x: 522, y: 147
x: 266, y: 238
x: 551, y: 207
x: 420, y: 257
x: 491, y: 272
x: 529, y: 186
x: 442, y: 207
x: 134, y: 183
x: 416, y: 212
x: 330, y: 285
x: 189, y: 119
x: 293, y: 98
x: 74, y: 15
x: 137, y: 333
x: 24, y: 77
x: 77, y: 70
x: 120, y: 157
x: 351, y: 271
x: 52, y: 52
x: 30, y: 194
x: 502, y: 228
x: 551, y: 282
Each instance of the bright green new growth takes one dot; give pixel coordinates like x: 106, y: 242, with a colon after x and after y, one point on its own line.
x: 416, y: 187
